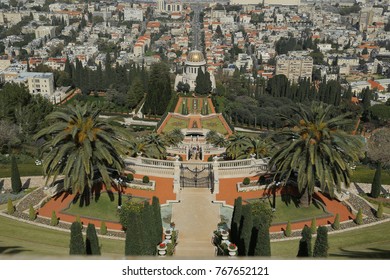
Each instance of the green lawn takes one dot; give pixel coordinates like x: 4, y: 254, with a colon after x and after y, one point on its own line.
x: 214, y: 124
x: 25, y: 240
x: 365, y: 243
x: 288, y: 210
x: 103, y: 209
x: 25, y: 169
x: 364, y: 174
x: 173, y: 123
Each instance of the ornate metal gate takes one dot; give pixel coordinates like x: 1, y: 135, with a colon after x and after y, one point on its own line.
x: 199, y: 177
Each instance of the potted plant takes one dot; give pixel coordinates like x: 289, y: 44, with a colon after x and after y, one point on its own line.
x: 168, y: 233
x: 224, y: 234
x: 232, y: 249
x: 162, y: 248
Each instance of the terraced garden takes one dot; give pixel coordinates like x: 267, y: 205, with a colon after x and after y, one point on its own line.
x: 214, y: 123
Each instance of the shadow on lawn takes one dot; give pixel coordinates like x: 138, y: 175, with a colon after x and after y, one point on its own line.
x: 373, y: 253
x: 11, y: 250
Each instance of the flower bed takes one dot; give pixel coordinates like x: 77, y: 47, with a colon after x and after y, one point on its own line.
x: 252, y: 186
x: 139, y: 185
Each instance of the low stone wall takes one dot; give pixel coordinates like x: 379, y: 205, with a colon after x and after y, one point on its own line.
x: 27, y: 182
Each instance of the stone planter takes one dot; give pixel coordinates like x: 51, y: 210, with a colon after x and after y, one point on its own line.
x: 168, y: 234
x: 162, y: 249
x: 232, y: 251
x: 225, y: 235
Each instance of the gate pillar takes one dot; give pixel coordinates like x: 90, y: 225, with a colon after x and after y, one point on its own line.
x: 176, y: 176
x: 216, y: 174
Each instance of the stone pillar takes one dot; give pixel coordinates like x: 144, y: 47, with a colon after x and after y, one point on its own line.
x: 176, y: 175
x: 216, y: 174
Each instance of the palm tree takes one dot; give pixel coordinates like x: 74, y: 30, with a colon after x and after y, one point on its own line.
x: 237, y: 146
x: 174, y: 137
x: 137, y: 146
x: 214, y: 138
x: 155, y: 146
x: 259, y: 147
x: 82, y: 147
x: 316, y: 149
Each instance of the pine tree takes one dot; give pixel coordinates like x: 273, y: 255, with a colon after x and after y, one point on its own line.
x: 379, y: 212
x: 359, y: 217
x: 10, y: 207
x: 134, y: 244
x: 92, y: 241
x: 305, y: 243
x: 313, y: 226
x: 76, y: 246
x: 287, y: 232
x: 16, y: 182
x: 376, y: 183
x: 236, y: 218
x: 54, y: 219
x: 336, y: 223
x: 158, y: 230
x: 321, y: 245
x: 246, y: 226
x: 32, y: 214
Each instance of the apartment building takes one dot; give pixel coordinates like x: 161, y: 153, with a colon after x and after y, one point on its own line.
x: 48, y: 31
x: 38, y: 83
x: 294, y: 67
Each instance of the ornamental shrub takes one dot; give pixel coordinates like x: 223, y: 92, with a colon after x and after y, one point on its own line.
x: 359, y: 217
x: 313, y: 226
x: 246, y: 226
x: 287, y: 232
x: 305, y: 243
x: 134, y: 245
x: 16, y: 182
x: 376, y: 183
x: 54, y: 219
x: 32, y: 214
x: 321, y: 245
x: 336, y: 223
x: 236, y: 218
x: 103, y: 228
x: 76, y: 246
x: 145, y: 179
x: 10, y: 207
x: 92, y: 241
x: 379, y: 212
x: 157, y: 220
x: 263, y: 243
x: 246, y: 181
x: 130, y: 177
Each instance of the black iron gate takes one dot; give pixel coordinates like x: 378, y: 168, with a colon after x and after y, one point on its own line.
x: 197, y: 177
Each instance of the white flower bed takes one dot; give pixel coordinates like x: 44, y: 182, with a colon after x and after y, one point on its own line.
x: 139, y: 185
x: 252, y: 186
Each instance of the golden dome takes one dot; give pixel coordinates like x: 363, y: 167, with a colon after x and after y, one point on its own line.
x: 195, y: 56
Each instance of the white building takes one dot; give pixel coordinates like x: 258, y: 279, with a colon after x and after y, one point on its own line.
x: 169, y: 6
x: 48, y: 31
x: 38, y: 83
x: 133, y: 14
x: 294, y: 67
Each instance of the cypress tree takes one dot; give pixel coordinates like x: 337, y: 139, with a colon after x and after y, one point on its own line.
x: 147, y: 228
x: 305, y: 243
x: 16, y: 182
x: 157, y: 222
x: 246, y: 226
x: 32, y: 213
x: 76, y: 246
x: 263, y: 244
x: 359, y: 217
x: 10, y: 207
x: 321, y: 245
x: 134, y: 245
x: 376, y: 183
x: 103, y: 228
x: 92, y: 241
x: 54, y: 219
x: 313, y: 226
x: 336, y: 223
x: 379, y: 212
x: 287, y: 232
x: 236, y: 218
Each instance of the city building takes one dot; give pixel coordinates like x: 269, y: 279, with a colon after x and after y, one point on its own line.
x: 294, y: 67
x: 37, y: 83
x: 48, y: 31
x: 133, y: 14
x: 169, y: 6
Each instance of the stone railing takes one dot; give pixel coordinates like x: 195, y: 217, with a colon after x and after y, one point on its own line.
x: 150, y: 167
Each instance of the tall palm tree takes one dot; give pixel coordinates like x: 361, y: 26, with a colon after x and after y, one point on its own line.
x: 174, y: 137
x: 317, y: 149
x: 137, y: 146
x: 82, y: 147
x: 214, y: 138
x: 237, y: 146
